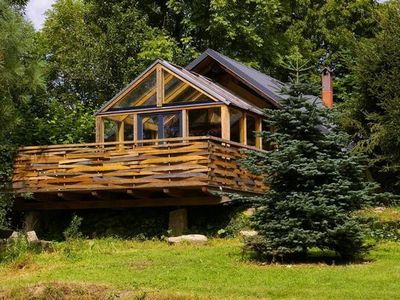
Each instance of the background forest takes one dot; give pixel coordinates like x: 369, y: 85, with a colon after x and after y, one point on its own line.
x: 53, y: 80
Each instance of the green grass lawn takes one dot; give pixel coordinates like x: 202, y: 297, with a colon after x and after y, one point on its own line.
x: 214, y: 271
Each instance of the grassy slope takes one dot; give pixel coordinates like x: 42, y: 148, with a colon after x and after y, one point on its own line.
x: 213, y: 271
x: 386, y: 214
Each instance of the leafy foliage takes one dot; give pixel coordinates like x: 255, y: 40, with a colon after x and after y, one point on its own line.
x: 20, y: 78
x: 260, y: 33
x: 373, y: 115
x: 108, y: 45
x: 314, y: 181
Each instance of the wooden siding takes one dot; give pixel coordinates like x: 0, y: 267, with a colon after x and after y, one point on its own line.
x: 151, y: 164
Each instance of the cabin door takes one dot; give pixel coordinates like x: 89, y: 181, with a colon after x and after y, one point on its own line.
x: 160, y: 125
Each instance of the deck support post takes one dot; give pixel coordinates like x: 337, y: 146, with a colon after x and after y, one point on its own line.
x: 178, y: 221
x: 31, y: 220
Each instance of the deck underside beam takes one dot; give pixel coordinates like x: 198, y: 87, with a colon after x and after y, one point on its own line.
x: 55, y: 204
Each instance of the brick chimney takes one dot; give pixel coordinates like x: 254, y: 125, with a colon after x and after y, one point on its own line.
x: 327, y: 87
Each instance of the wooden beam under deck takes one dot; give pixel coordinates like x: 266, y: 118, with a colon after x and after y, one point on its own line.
x: 23, y: 205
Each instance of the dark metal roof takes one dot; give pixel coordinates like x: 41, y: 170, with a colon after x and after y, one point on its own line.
x: 267, y: 86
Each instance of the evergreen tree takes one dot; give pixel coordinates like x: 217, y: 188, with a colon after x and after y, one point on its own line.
x: 372, y: 116
x: 315, y: 182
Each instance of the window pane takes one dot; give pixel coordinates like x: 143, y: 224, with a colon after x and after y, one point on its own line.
x: 203, y: 122
x: 150, y: 127
x: 110, y: 131
x: 176, y: 91
x: 159, y: 126
x: 172, y: 125
x: 251, y: 128
x: 235, y: 117
x: 128, y: 128
x: 142, y: 95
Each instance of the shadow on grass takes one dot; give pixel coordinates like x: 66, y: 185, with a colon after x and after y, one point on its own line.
x: 312, y: 257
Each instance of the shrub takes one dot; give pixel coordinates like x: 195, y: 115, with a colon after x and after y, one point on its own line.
x: 14, y: 249
x: 73, y: 230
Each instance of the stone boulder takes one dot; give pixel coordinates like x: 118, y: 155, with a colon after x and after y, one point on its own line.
x: 248, y: 233
x: 14, y: 235
x: 190, y: 238
x: 32, y: 238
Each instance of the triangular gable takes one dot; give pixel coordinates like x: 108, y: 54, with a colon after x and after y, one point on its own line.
x: 161, y: 84
x: 270, y: 88
x: 177, y: 91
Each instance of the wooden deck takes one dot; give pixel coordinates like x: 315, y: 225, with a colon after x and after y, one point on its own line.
x: 144, y: 173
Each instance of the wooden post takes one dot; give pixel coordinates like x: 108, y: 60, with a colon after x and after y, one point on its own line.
x: 243, y: 129
x: 178, y: 221
x: 99, y: 130
x: 185, y: 124
x: 258, y: 131
x: 120, y: 134
x: 160, y: 86
x: 135, y: 128
x: 32, y: 220
x: 225, y: 123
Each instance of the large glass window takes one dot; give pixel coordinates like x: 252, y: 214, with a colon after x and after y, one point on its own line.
x: 177, y: 91
x: 110, y: 131
x: 144, y: 94
x: 204, y: 122
x: 251, y: 128
x: 128, y: 128
x: 172, y: 126
x: 160, y: 126
x: 236, y: 120
x: 150, y: 128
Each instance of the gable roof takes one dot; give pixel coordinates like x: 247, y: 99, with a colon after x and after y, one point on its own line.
x: 267, y: 86
x: 210, y: 88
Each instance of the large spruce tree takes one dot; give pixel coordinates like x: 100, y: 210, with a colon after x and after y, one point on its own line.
x: 315, y: 182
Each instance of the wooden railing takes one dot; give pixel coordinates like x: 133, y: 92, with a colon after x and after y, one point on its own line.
x: 147, y: 164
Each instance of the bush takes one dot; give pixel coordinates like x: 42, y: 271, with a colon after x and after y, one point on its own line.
x: 73, y: 230
x: 14, y: 249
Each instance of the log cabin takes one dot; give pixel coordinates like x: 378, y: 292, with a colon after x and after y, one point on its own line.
x: 171, y: 137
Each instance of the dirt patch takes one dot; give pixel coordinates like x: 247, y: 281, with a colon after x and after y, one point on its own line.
x: 24, y: 263
x: 140, y: 264
x: 72, y: 291
x: 59, y: 291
